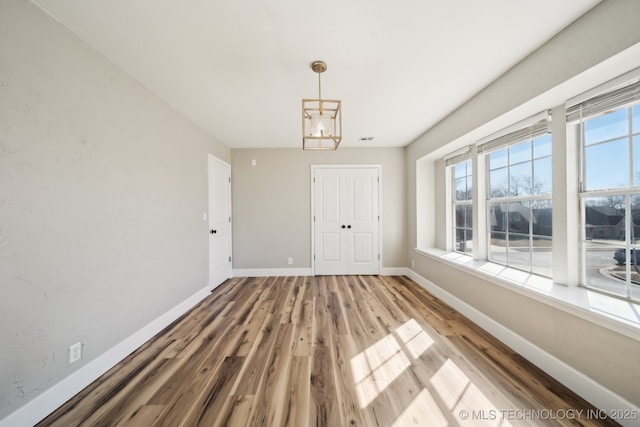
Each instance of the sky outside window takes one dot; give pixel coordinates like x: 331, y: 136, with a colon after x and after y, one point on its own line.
x: 608, y: 150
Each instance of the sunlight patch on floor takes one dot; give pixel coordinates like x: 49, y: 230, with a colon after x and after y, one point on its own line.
x: 414, y: 338
x: 460, y: 396
x: 377, y: 367
x: 422, y: 409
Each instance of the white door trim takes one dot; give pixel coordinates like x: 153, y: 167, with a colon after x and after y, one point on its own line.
x: 213, y: 159
x: 345, y: 166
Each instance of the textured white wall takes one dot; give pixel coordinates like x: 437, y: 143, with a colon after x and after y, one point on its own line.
x: 102, y: 190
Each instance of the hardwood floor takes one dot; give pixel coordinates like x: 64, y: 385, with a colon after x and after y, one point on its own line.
x: 323, y: 351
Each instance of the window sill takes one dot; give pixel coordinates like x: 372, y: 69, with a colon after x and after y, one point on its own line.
x: 609, y: 312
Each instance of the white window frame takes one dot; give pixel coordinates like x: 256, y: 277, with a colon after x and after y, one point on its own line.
x: 537, y: 126
x: 613, y: 100
x: 464, y: 159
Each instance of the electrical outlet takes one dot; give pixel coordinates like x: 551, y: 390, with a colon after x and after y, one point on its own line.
x: 290, y: 261
x: 75, y: 352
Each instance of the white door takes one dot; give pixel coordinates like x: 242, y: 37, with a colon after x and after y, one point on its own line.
x: 219, y: 221
x: 346, y: 220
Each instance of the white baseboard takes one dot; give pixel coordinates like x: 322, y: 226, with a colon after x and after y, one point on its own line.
x: 38, y: 408
x: 270, y: 272
x: 394, y: 271
x: 590, y: 390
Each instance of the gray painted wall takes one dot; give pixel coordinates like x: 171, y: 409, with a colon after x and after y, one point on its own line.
x: 272, y: 204
x: 605, y: 356
x: 102, y: 190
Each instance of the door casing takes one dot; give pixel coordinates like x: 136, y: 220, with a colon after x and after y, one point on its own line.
x: 219, y: 219
x: 314, y: 168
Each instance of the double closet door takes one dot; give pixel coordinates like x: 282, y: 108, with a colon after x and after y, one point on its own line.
x: 346, y: 220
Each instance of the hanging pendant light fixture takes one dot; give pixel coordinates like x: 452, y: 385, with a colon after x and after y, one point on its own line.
x: 321, y: 118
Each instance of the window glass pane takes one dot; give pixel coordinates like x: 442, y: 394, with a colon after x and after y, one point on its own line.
x: 542, y: 173
x: 636, y: 159
x: 468, y: 243
x: 602, y: 271
x: 604, y: 218
x: 468, y: 217
x: 498, y: 159
x: 635, y: 291
x: 542, y: 146
x: 463, y: 230
x: 541, y: 256
x: 635, y: 218
x: 498, y: 183
x: 519, y: 251
x: 460, y: 240
x: 460, y: 189
x: 498, y: 248
x: 606, y: 127
x: 636, y: 119
x: 520, y: 152
x: 541, y: 212
x: 463, y: 181
x: 519, y: 217
x: 459, y: 216
x: 497, y: 217
x: 607, y: 165
x: 520, y: 179
x: 460, y: 170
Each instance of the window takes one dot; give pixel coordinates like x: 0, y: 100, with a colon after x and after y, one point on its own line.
x: 598, y: 199
x: 608, y: 129
x: 462, y: 197
x: 519, y: 206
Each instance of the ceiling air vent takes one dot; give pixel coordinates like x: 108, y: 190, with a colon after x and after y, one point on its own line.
x: 365, y: 139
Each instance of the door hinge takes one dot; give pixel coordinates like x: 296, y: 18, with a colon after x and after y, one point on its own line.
x: 229, y: 259
x: 314, y: 179
x: 378, y: 257
x: 230, y: 219
x: 229, y: 179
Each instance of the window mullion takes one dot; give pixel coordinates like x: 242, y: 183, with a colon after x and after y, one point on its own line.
x: 479, y: 199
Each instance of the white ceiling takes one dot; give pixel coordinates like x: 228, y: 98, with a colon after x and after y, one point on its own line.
x: 240, y: 69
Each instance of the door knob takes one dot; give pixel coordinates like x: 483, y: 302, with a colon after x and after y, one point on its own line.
x: 348, y: 226
x: 342, y: 225
x: 214, y: 231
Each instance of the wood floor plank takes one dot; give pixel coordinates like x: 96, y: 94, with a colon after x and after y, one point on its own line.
x: 319, y: 351
x: 207, y: 410
x: 267, y: 411
x: 237, y: 413
x: 250, y: 378
x: 344, y: 350
x: 296, y: 409
x: 323, y: 408
x: 145, y: 415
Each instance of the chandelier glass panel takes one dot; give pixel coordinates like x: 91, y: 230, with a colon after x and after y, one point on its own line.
x: 321, y: 118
